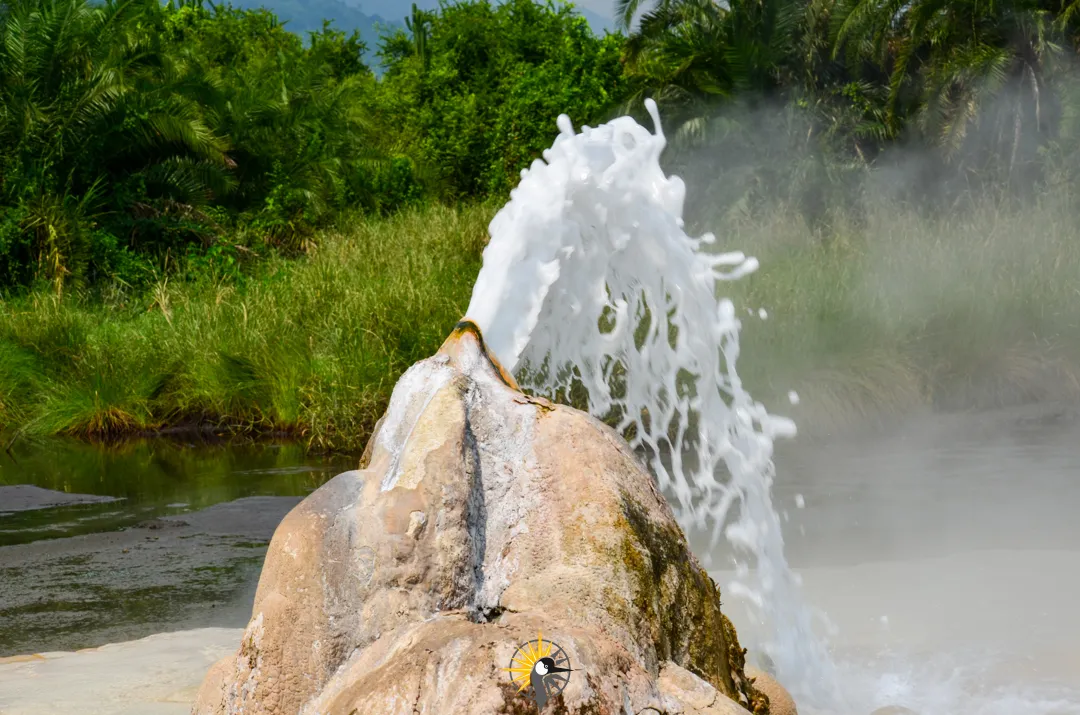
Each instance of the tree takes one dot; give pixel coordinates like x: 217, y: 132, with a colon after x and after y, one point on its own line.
x: 975, y: 78
x: 93, y: 121
x: 131, y: 131
x: 483, y: 104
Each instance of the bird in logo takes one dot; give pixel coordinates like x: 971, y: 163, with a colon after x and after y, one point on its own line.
x: 532, y: 666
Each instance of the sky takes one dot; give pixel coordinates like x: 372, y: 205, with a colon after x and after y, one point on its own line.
x: 600, y: 7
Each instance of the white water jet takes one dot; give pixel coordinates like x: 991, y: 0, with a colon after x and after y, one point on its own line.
x: 589, y: 276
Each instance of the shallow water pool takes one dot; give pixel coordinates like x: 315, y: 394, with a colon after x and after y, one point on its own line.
x: 180, y: 546
x: 946, y: 556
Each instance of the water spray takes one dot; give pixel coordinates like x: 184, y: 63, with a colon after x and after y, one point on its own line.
x: 590, y: 281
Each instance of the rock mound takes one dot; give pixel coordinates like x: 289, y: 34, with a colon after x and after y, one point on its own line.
x: 481, y: 519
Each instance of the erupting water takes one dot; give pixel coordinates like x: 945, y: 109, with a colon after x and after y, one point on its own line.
x: 589, y: 277
x: 590, y: 283
x: 591, y: 288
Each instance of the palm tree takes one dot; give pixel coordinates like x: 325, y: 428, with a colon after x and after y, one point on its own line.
x: 679, y: 56
x: 88, y: 98
x: 298, y: 122
x: 967, y: 73
x: 752, y: 80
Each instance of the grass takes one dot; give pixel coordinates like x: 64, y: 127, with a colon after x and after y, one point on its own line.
x: 309, y: 348
x: 973, y: 310
x: 904, y: 313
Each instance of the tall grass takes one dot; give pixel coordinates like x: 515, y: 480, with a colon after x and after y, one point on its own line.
x: 311, y: 347
x: 973, y: 310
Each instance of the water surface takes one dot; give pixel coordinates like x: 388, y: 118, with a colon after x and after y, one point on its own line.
x: 180, y: 547
x: 946, y: 554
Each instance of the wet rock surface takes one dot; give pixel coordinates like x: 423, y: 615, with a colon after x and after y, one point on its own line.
x: 780, y: 700
x: 191, y: 570
x: 482, y: 519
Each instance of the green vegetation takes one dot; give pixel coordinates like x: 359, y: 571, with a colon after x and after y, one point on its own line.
x: 976, y: 310
x: 310, y: 348
x: 206, y: 219
x: 135, y: 134
x: 476, y: 89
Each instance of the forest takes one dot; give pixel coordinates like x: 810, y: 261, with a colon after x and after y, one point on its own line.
x: 211, y: 223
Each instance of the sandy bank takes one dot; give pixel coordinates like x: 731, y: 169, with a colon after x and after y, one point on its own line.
x: 157, y: 675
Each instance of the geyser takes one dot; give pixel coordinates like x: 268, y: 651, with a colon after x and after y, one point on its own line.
x: 589, y: 278
x: 481, y: 518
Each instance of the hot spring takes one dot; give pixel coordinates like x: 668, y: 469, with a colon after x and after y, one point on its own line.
x: 931, y: 567
x: 591, y: 287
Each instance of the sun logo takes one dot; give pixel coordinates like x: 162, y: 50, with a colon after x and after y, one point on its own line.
x: 541, y: 667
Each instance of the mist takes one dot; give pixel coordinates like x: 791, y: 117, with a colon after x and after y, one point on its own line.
x: 895, y: 279
x: 921, y: 302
